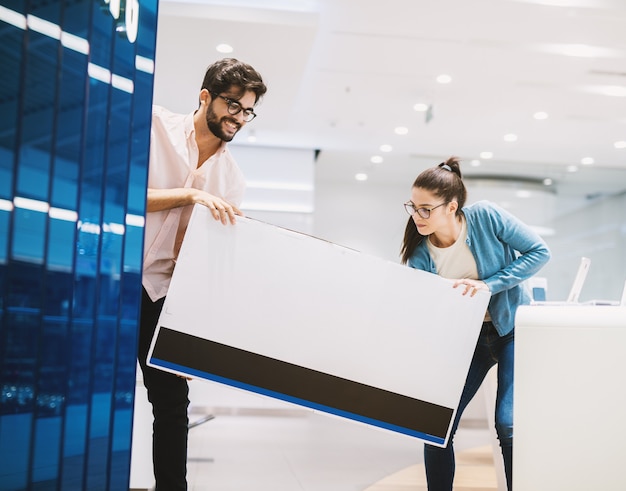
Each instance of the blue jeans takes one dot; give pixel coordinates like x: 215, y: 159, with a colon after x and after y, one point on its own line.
x: 490, y: 349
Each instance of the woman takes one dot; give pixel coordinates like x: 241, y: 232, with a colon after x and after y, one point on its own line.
x: 481, y: 247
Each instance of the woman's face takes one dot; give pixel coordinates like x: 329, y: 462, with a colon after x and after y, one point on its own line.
x: 428, y: 204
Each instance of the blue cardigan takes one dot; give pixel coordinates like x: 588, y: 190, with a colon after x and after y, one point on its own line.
x: 506, y: 251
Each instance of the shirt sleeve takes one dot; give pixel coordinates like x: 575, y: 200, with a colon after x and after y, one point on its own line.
x: 527, y: 251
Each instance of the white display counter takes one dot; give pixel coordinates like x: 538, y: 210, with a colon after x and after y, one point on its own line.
x: 570, y: 398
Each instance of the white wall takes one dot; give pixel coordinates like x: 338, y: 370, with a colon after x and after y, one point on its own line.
x: 597, y: 231
x: 363, y: 217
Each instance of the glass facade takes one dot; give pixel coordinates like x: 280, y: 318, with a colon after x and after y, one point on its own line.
x: 75, y: 106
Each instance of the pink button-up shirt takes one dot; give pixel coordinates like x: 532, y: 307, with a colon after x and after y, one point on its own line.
x: 174, y: 164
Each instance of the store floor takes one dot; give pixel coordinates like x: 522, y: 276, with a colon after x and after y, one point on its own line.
x: 276, y: 450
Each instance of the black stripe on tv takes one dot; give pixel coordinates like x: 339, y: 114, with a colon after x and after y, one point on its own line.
x: 311, y: 388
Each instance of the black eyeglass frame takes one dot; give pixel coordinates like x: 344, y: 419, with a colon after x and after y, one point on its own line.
x: 234, y: 107
x: 422, y: 211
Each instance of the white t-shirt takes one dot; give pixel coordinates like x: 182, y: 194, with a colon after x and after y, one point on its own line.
x: 457, y: 261
x: 173, y: 164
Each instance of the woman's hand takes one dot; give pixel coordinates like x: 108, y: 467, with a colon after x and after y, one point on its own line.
x: 470, y: 286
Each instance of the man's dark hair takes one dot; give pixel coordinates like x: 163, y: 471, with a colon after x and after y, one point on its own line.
x: 229, y: 72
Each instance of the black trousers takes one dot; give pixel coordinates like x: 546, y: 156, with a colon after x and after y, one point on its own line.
x: 169, y: 396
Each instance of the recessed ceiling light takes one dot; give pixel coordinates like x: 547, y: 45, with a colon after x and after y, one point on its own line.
x: 386, y: 148
x: 608, y: 90
x: 444, y: 79
x: 547, y: 181
x: 579, y: 50
x: 486, y: 155
x: 224, y: 48
x: 572, y: 168
x: 587, y: 161
x: 360, y: 176
x: 615, y: 91
x: 523, y: 193
x: 401, y: 130
x: 376, y: 159
x: 620, y: 144
x: 510, y: 137
x: 540, y: 115
x: 475, y: 163
x: 564, y: 3
x: 421, y: 107
x: 251, y: 138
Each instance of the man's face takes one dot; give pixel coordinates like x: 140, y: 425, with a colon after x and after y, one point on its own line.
x: 218, y: 118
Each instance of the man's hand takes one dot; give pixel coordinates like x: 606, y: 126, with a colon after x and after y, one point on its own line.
x: 220, y: 209
x: 166, y: 199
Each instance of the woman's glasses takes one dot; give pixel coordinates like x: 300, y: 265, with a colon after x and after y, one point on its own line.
x: 422, y: 211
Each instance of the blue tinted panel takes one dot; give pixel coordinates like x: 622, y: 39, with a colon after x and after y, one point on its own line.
x: 22, y: 290
x: 74, y: 140
x: 38, y: 91
x: 47, y: 455
x: 62, y: 234
x: 19, y: 363
x: 51, y: 379
x: 65, y: 183
x: 79, y: 376
x: 11, y: 42
x: 98, y: 450
x: 125, y: 370
x: 74, y: 441
x: 29, y: 235
x: 120, y: 455
x: 133, y: 246
x: 4, y: 239
x: 15, y: 431
x: 33, y: 168
x: 69, y: 115
x: 57, y: 302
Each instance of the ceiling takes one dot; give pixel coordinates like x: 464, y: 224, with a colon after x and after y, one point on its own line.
x: 343, y: 74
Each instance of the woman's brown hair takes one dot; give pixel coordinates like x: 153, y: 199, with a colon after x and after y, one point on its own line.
x: 444, y: 181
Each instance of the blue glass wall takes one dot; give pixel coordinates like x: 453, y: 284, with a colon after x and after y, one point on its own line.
x: 75, y: 105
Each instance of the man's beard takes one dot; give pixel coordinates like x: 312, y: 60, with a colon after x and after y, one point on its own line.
x: 215, y: 126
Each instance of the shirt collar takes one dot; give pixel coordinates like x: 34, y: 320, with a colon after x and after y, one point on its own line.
x: 189, y: 128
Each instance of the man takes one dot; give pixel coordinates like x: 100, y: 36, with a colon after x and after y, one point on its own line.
x: 189, y: 164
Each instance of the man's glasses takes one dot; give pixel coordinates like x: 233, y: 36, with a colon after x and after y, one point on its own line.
x: 423, y: 212
x: 235, y: 108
